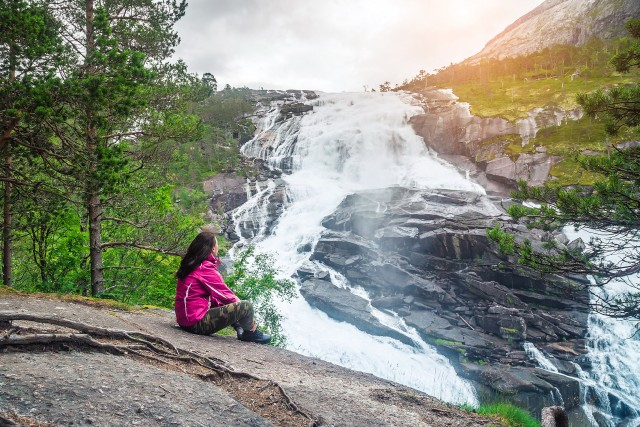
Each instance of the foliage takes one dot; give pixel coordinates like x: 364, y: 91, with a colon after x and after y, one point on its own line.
x: 93, y: 123
x: 512, y: 86
x: 610, y: 208
x: 110, y: 144
x: 254, y: 278
x: 30, y: 52
x: 225, y: 116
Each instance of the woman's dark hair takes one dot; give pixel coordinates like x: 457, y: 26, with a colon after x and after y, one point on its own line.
x: 198, y: 251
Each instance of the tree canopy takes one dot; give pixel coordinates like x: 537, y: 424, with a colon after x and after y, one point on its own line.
x: 91, y: 111
x: 609, y: 210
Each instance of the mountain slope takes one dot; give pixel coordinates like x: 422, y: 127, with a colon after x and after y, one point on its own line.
x: 560, y: 22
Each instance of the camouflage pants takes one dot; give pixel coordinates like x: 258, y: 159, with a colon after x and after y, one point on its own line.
x: 218, y: 318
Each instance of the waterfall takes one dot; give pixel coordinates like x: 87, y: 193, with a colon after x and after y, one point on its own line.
x: 355, y: 142
x: 348, y: 143
x: 540, y: 358
x: 614, y: 346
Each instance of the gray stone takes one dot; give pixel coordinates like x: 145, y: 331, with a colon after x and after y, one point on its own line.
x: 134, y: 393
x: 546, y: 26
x: 502, y: 169
x: 425, y: 255
x: 344, y: 306
x: 577, y: 245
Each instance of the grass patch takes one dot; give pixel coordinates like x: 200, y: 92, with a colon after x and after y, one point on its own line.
x: 515, y: 148
x: 573, y: 136
x: 512, y: 415
x: 512, y: 98
x: 227, y: 332
x: 569, y: 172
x: 4, y: 291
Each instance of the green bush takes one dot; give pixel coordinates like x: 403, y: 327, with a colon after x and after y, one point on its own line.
x: 254, y: 278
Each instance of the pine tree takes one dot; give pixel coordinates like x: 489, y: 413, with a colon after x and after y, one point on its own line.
x: 30, y: 53
x: 610, y: 208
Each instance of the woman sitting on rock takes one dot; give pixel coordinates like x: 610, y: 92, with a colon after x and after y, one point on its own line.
x: 204, y: 304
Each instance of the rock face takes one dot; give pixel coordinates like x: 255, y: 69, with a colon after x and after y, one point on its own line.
x: 229, y: 190
x: 477, y: 145
x: 560, y: 22
x: 425, y: 256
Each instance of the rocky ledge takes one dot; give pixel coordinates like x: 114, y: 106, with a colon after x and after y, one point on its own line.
x: 261, y: 385
x: 477, y: 144
x: 425, y: 256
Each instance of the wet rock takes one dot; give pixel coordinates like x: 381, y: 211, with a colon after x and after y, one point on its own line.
x: 342, y: 305
x: 568, y: 387
x: 508, y: 327
x: 577, y: 245
x: 601, y: 419
x: 620, y: 408
x: 293, y: 109
x: 392, y: 302
x: 530, y: 387
x: 425, y: 256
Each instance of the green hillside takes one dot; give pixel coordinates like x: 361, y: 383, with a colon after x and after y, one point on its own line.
x: 512, y: 87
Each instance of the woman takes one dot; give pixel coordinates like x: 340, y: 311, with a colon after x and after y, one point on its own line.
x: 204, y: 304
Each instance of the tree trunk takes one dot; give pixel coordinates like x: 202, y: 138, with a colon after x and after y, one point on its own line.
x: 7, y: 251
x: 93, y: 204
x: 94, y: 208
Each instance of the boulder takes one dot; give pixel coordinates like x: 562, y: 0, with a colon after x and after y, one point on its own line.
x: 502, y: 169
x: 530, y: 387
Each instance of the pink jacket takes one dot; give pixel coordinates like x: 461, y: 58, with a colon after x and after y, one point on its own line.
x: 202, y: 289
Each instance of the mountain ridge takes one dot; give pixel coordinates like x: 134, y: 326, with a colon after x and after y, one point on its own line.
x: 559, y: 22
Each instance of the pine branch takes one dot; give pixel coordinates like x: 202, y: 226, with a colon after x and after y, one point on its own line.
x: 138, y: 246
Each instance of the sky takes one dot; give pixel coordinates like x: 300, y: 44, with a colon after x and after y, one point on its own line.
x: 335, y: 45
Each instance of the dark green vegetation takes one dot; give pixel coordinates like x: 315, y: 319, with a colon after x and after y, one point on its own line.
x: 104, y: 146
x: 610, y: 207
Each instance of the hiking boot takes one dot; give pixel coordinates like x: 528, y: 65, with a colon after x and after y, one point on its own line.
x: 255, y: 336
x: 238, y: 329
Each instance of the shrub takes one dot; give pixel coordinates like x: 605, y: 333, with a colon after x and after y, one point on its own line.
x: 254, y: 278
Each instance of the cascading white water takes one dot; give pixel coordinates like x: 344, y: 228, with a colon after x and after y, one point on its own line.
x: 540, y: 358
x: 350, y: 142
x: 613, y: 346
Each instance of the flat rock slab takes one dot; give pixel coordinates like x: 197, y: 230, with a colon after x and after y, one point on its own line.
x: 334, y: 395
x: 77, y: 388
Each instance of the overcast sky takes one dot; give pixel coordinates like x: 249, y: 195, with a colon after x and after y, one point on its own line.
x: 335, y: 45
